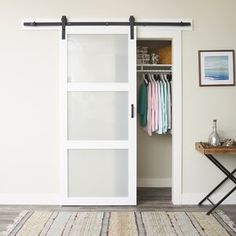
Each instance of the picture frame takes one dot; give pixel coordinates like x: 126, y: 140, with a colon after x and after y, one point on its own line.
x: 216, y: 68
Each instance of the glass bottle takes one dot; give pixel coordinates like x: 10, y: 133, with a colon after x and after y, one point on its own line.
x: 214, y: 138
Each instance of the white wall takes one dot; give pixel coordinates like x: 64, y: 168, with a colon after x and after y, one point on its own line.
x: 154, y: 159
x: 29, y: 88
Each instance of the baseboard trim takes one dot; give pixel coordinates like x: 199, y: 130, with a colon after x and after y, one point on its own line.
x: 154, y: 182
x: 195, y: 198
x: 29, y: 199
x: 54, y: 199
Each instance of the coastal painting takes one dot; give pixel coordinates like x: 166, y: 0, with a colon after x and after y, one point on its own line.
x: 216, y: 68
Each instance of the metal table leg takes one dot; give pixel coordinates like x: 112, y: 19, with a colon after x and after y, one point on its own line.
x: 228, y: 176
x: 218, y: 203
x: 221, y: 167
x: 214, y: 189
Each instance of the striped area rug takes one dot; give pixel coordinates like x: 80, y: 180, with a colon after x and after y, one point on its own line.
x: 33, y: 223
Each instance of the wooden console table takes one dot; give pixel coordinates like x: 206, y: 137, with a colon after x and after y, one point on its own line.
x: 209, y: 151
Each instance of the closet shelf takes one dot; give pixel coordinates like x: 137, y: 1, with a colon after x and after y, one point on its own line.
x: 154, y: 68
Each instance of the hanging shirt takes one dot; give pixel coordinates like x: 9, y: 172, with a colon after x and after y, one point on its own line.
x: 169, y: 115
x: 160, y: 110
x: 157, y: 106
x: 143, y: 104
x: 153, y: 103
x: 170, y: 82
x: 149, y: 110
x: 165, y: 105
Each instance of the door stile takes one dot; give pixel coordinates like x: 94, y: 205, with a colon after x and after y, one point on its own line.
x: 133, y: 120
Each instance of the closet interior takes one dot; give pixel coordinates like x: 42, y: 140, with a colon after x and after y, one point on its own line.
x: 154, y: 124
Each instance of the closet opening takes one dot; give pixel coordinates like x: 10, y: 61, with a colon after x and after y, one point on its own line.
x: 154, y: 123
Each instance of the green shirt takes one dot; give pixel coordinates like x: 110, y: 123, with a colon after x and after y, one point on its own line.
x: 143, y: 104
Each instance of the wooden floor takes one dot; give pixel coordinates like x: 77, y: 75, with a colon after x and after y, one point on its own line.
x: 148, y: 199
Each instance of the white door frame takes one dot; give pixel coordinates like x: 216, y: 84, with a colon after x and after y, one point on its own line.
x: 176, y: 37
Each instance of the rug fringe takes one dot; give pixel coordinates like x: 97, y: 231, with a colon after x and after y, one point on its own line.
x: 227, y: 220
x: 10, y: 227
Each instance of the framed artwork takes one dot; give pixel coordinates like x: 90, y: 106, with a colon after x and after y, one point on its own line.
x: 216, y: 67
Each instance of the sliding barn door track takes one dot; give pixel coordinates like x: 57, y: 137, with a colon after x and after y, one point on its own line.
x: 131, y: 23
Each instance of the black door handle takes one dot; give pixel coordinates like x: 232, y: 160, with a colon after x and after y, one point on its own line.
x: 132, y: 110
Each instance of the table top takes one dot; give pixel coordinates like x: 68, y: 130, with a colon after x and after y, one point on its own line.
x: 205, y: 148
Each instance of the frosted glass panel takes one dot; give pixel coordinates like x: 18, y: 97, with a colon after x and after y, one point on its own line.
x: 98, y: 173
x: 98, y: 115
x: 97, y: 58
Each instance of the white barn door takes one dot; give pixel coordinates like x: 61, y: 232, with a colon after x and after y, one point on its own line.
x: 98, y: 116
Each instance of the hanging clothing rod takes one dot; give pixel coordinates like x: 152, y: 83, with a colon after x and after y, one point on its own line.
x: 64, y: 22
x: 154, y: 71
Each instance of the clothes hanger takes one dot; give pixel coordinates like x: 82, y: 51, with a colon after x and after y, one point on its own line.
x: 145, y: 79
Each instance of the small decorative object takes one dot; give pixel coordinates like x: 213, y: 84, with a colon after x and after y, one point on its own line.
x: 216, y: 68
x: 143, y: 57
x: 154, y: 58
x: 214, y: 139
x: 228, y: 142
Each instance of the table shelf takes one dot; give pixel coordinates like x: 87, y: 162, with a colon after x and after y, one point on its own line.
x: 205, y: 148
